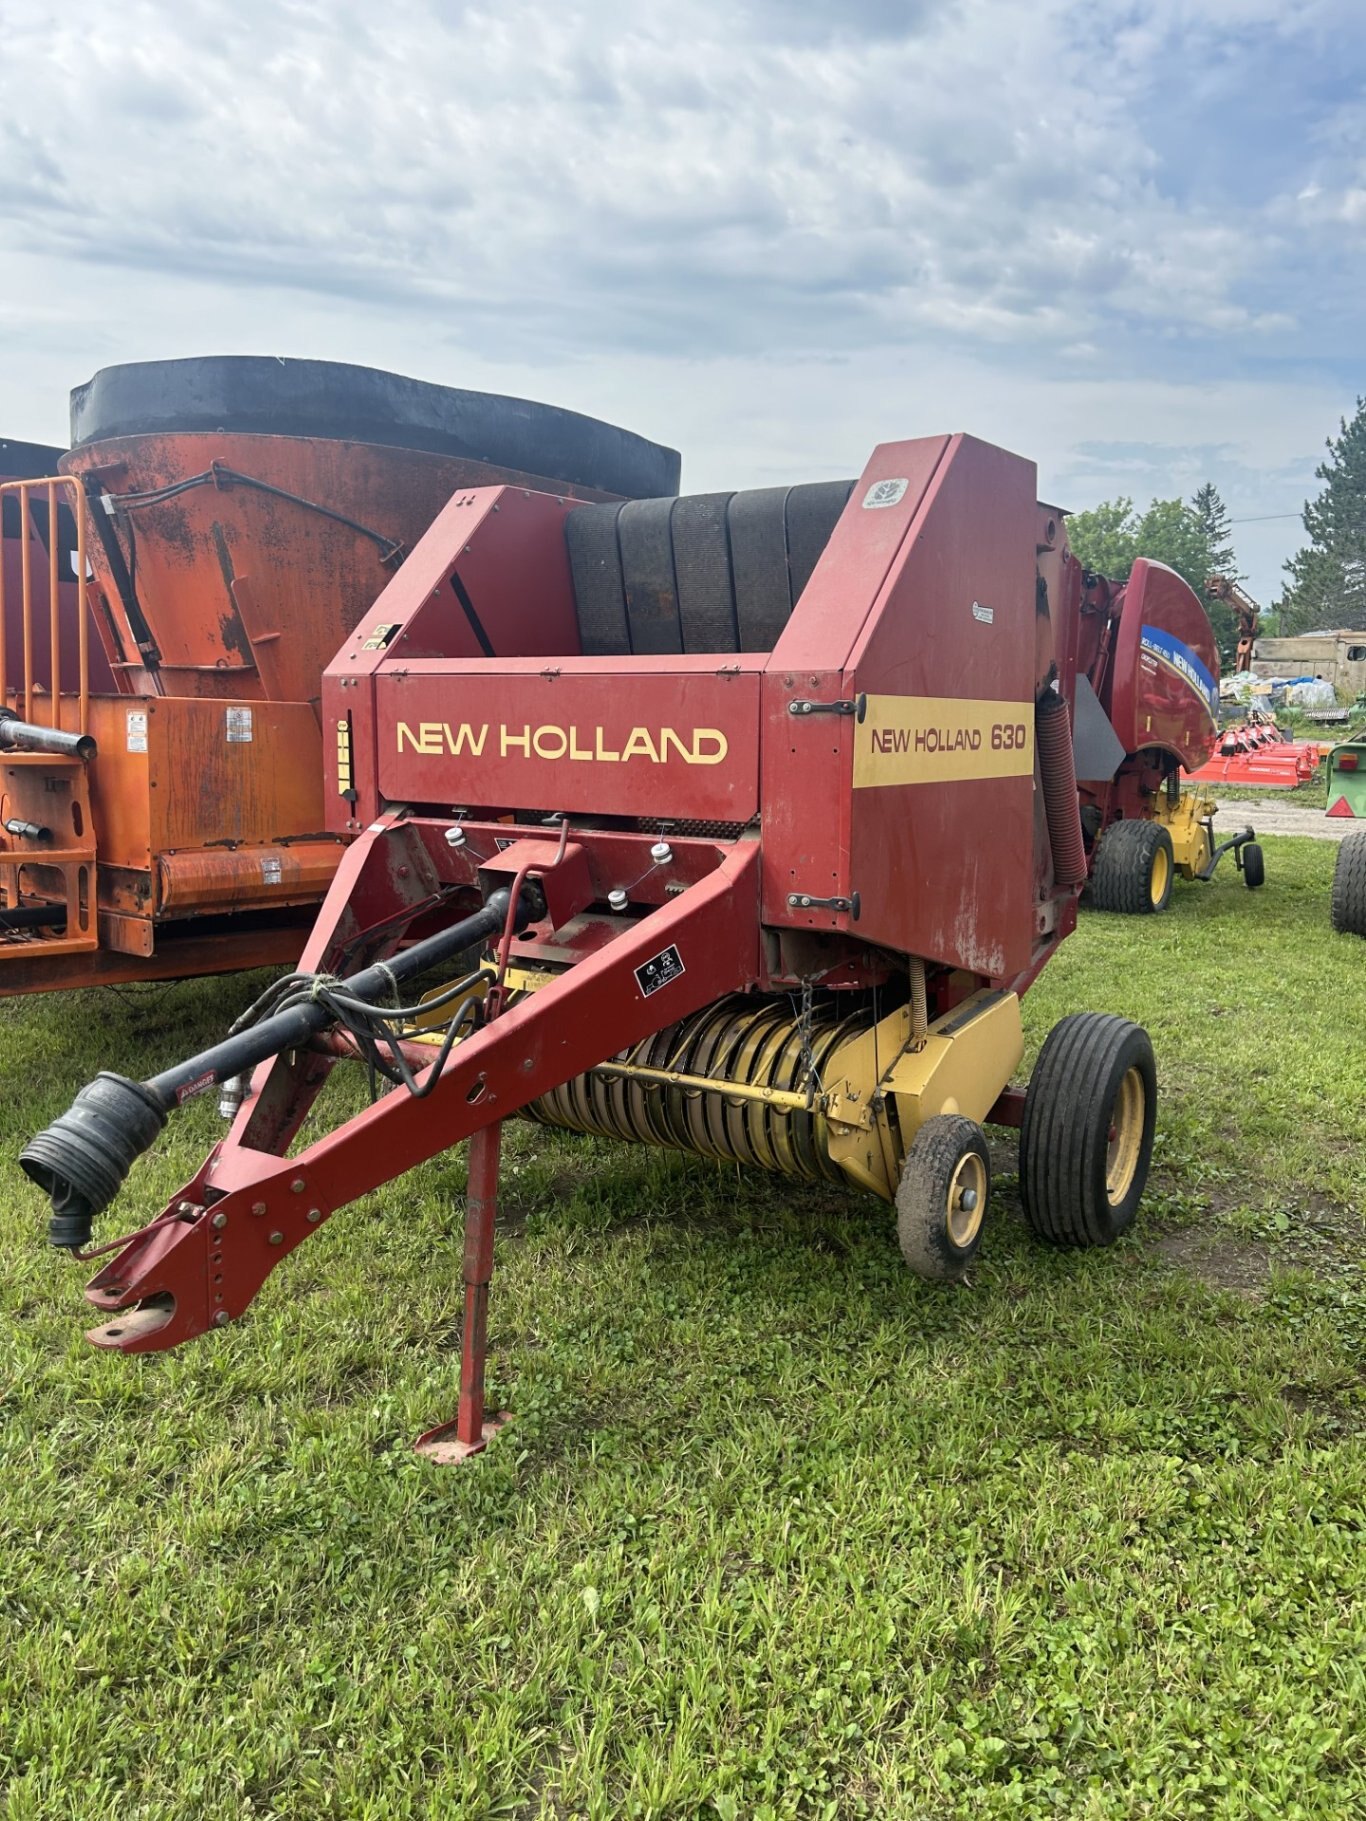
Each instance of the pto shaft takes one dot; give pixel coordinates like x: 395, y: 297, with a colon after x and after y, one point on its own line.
x: 82, y: 1158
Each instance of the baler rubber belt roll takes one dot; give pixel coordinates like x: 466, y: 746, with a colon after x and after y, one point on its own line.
x: 1057, y: 768
x: 647, y: 566
x: 702, y: 572
x: 757, y: 523
x: 812, y: 513
x: 599, y: 591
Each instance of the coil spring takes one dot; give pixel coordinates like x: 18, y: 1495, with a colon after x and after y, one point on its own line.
x: 741, y: 1039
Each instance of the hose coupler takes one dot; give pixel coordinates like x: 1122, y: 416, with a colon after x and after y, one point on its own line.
x: 81, y: 1160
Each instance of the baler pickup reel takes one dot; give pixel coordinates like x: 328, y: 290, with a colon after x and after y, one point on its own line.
x: 741, y: 871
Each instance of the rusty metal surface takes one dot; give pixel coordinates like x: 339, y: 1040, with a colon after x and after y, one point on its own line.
x: 231, y: 879
x: 244, y: 592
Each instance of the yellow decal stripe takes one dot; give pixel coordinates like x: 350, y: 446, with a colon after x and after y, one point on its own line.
x: 940, y: 739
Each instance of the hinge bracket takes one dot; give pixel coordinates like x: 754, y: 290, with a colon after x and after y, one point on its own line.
x: 858, y: 706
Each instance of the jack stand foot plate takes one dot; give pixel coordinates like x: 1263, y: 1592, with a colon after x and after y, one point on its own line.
x: 443, y: 1446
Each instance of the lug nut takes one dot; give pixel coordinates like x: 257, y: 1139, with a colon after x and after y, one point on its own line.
x: 298, y: 1185
x: 218, y: 1222
x: 221, y: 1319
x: 258, y: 1207
x: 315, y: 1214
x: 277, y: 1239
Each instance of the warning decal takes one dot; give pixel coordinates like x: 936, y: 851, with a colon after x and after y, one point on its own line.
x: 659, y: 971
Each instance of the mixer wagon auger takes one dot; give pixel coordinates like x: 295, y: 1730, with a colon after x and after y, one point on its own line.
x: 222, y: 524
x: 745, y: 839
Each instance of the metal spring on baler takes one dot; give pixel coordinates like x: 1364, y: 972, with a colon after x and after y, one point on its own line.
x: 756, y: 1046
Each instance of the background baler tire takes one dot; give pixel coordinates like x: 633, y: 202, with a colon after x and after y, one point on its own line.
x: 1349, y: 886
x: 1122, y: 873
x: 1079, y: 1129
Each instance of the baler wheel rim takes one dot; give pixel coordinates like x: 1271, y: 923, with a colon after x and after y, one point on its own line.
x: 966, y: 1201
x: 1160, y: 878
x: 1126, y: 1137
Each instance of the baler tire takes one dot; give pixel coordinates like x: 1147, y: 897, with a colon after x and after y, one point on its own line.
x: 1086, y: 1139
x: 1133, y: 869
x: 1254, y: 866
x: 1349, y: 886
x: 939, y: 1237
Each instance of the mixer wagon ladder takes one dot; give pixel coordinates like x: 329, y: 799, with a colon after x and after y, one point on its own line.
x: 47, y: 836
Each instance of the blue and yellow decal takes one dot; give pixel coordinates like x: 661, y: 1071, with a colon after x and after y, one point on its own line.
x: 1175, y: 655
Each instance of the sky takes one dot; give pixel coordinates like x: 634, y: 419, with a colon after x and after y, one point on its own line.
x: 1126, y: 240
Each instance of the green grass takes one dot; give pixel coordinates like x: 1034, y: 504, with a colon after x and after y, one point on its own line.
x: 778, y: 1531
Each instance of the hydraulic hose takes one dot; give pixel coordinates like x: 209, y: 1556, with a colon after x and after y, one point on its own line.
x: 83, y: 1157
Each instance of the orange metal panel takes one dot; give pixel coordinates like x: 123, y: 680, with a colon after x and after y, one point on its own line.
x: 244, y: 878
x: 248, y: 593
x: 232, y: 771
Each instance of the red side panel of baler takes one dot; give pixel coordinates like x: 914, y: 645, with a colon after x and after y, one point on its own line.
x: 941, y: 798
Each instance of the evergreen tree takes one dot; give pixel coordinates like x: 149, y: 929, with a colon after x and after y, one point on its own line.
x: 1212, y: 513
x: 1209, y: 508
x: 1326, y: 580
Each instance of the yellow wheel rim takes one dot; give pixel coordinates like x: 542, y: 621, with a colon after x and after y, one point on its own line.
x: 966, y: 1203
x: 1126, y: 1136
x: 1160, y: 876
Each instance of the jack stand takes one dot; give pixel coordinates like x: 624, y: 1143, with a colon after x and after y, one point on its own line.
x: 450, y: 1443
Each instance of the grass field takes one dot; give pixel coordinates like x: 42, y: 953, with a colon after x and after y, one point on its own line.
x: 779, y: 1530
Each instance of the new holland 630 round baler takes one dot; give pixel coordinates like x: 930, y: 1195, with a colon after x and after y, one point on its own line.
x: 737, y: 823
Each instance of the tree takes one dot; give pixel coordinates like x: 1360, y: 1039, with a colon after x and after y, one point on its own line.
x: 1326, y: 585
x: 1212, y: 513
x: 1193, y: 539
x: 1103, y: 538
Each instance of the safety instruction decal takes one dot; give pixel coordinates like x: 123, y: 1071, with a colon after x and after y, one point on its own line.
x: 137, y: 730
x: 659, y: 971
x: 239, y: 725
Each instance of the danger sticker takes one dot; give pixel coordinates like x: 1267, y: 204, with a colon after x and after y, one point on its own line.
x: 137, y: 730
x: 239, y: 725
x: 200, y: 1085
x: 659, y: 971
x: 272, y: 869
